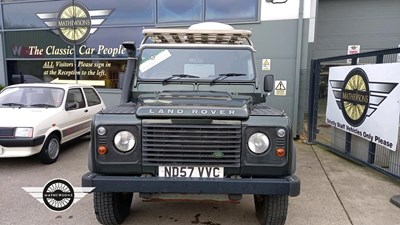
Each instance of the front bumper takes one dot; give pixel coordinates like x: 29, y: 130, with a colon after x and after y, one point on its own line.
x: 289, y: 185
x: 20, y: 147
x: 22, y: 142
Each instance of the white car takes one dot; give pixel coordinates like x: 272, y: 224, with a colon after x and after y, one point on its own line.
x: 38, y: 118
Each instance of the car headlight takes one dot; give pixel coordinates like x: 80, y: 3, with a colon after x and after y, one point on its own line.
x: 258, y: 143
x: 124, y: 141
x: 24, y: 132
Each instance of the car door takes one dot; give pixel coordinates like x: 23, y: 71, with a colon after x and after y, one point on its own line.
x: 77, y: 119
x: 93, y: 101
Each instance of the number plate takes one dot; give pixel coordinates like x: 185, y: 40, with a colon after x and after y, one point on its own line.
x: 1, y: 150
x: 190, y: 171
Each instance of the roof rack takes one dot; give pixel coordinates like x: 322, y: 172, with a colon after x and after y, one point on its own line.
x: 194, y: 36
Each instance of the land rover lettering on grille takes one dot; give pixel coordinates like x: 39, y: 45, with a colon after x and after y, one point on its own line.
x: 215, y: 112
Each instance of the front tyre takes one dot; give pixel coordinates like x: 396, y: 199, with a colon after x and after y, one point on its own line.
x: 112, y: 208
x: 50, y: 149
x: 271, y: 209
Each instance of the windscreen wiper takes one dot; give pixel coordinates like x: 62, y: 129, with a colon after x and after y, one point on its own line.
x: 43, y: 105
x: 223, y: 76
x: 13, y: 104
x: 179, y: 76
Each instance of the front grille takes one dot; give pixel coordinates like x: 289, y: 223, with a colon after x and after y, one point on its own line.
x: 6, y: 132
x: 188, y: 144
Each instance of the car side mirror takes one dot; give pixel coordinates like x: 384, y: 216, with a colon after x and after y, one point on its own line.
x: 269, y: 83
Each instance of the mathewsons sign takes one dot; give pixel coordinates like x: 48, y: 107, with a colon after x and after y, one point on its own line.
x: 364, y: 101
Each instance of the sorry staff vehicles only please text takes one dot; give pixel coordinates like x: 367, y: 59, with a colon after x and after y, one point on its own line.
x: 193, y: 120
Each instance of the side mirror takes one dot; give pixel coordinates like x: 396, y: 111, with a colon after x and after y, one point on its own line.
x: 130, y: 48
x: 269, y: 83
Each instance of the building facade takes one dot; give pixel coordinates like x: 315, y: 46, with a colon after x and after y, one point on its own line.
x: 71, y: 40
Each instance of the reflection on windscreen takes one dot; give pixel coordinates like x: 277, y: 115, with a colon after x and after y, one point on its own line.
x: 207, y: 64
x: 38, y: 97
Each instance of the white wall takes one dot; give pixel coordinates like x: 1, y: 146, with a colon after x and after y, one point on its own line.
x: 288, y: 10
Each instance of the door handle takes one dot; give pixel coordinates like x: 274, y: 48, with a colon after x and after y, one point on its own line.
x: 86, y: 110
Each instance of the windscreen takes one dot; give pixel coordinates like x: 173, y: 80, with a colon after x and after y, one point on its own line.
x: 198, y: 64
x: 38, y: 97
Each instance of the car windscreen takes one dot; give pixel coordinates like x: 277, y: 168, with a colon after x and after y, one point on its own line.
x: 38, y: 97
x: 199, y: 64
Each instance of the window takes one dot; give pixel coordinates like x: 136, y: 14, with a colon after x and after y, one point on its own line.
x: 74, y: 99
x: 231, y: 10
x: 92, y: 97
x: 123, y: 12
x: 25, y: 15
x: 206, y: 64
x: 179, y: 11
x: 42, y: 97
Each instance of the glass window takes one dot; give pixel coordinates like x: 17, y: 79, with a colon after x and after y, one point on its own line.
x: 74, y: 99
x: 36, y: 44
x: 30, y: 15
x: 105, y: 43
x: 102, y: 43
x: 205, y: 64
x: 29, y: 71
x: 102, y: 73
x: 231, y: 10
x: 121, y: 12
x: 102, y: 13
x: 92, y: 97
x: 179, y: 11
x: 41, y: 97
x: 99, y: 73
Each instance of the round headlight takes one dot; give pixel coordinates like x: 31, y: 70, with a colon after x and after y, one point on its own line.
x: 258, y: 143
x: 281, y: 133
x: 124, y: 141
x: 101, y: 131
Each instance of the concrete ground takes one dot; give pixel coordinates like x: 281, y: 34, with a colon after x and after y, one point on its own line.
x: 338, y: 191
x: 333, y: 191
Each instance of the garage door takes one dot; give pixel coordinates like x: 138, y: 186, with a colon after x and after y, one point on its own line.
x: 372, y: 24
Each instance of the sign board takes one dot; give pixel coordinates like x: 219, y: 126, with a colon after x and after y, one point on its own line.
x: 353, y: 49
x: 266, y: 64
x: 280, y: 87
x: 364, y: 101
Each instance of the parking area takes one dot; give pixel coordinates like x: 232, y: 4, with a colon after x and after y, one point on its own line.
x: 333, y: 191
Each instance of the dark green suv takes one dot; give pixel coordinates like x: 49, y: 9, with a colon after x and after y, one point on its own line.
x: 193, y: 119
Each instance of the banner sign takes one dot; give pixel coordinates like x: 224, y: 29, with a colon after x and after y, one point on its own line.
x: 364, y: 101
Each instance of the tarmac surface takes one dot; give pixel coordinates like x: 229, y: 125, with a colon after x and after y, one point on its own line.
x: 333, y: 191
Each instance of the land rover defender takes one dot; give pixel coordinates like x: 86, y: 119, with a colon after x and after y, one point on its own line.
x: 193, y: 121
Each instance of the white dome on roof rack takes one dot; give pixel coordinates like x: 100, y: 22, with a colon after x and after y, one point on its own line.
x: 211, y: 26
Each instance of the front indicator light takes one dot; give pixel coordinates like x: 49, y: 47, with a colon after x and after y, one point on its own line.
x: 102, y: 150
x: 280, y: 152
x: 124, y: 141
x: 258, y: 143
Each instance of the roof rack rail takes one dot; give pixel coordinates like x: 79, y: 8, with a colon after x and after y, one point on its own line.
x: 194, y: 36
